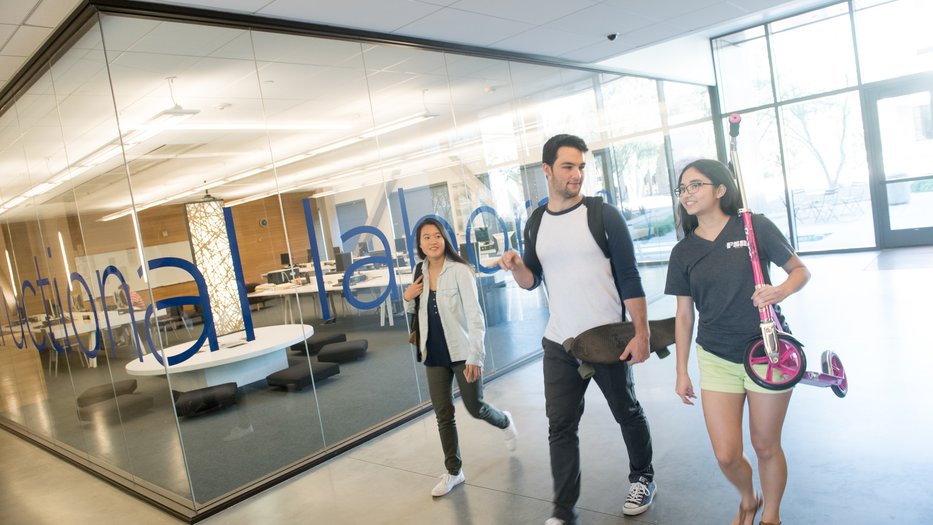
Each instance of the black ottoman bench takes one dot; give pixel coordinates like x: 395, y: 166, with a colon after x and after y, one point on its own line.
x: 299, y: 376
x: 99, y: 393
x: 316, y: 342
x: 203, y: 400
x: 343, y: 352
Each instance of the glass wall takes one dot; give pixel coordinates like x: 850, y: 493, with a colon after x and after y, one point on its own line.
x: 183, y: 206
x: 799, y: 83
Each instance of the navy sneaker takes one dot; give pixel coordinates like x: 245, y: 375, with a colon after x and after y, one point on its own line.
x: 640, y: 496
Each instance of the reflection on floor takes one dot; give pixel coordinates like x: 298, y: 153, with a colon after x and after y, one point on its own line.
x: 220, y: 446
x: 861, y: 460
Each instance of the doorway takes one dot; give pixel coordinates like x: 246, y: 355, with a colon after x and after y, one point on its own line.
x: 899, y: 136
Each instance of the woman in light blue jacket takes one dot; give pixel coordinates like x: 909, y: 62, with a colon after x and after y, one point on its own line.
x: 452, y: 330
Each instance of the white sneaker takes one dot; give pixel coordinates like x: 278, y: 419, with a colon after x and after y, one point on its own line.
x: 511, y: 433
x: 554, y: 521
x: 447, y: 483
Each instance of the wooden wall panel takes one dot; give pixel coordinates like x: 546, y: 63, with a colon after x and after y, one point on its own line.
x: 259, y: 227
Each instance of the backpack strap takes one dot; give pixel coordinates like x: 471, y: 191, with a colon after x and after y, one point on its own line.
x: 531, y: 235
x: 594, y: 219
x: 414, y: 277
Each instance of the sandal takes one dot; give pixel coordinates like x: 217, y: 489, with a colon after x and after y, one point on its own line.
x: 743, y: 513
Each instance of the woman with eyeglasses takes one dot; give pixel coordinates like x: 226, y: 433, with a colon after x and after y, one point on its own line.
x: 451, y: 330
x: 710, y: 273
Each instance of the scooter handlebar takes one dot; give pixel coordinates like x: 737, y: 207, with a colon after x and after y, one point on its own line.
x: 734, y: 120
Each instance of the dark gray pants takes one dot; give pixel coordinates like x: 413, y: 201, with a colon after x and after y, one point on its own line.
x: 563, y: 394
x: 440, y: 385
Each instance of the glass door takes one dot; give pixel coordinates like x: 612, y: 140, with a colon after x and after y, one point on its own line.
x: 899, y: 133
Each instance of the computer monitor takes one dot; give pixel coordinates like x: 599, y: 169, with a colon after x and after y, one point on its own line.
x: 285, y: 259
x: 401, y: 245
x: 336, y: 251
x: 361, y: 249
x: 277, y: 277
x: 481, y: 234
x: 342, y: 261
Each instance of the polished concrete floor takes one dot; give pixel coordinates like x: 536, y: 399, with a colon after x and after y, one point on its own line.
x: 865, y: 459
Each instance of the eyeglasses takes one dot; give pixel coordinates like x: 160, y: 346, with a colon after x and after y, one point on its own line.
x: 691, y: 188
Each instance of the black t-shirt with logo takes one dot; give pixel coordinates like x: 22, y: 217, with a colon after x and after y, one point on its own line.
x: 718, y: 276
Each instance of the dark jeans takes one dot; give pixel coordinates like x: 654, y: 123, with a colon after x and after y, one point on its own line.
x: 440, y: 385
x: 563, y: 394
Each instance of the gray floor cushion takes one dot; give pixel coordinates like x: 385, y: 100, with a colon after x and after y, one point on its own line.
x: 343, y: 352
x: 299, y: 376
x: 203, y: 400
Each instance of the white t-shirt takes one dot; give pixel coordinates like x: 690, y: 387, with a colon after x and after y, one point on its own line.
x: 581, y: 291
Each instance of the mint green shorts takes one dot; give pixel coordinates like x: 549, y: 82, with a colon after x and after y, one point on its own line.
x: 720, y: 375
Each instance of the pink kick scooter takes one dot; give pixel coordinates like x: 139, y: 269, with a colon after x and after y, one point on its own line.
x: 776, y: 361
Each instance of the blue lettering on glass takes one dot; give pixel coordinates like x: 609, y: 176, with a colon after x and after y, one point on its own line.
x: 22, y: 326
x: 201, y: 300
x: 209, y: 331
x: 408, y: 244
x: 316, y: 260
x: 238, y: 275
x: 469, y: 237
x: 28, y: 284
x: 101, y: 283
x: 92, y: 352
x: 386, y: 259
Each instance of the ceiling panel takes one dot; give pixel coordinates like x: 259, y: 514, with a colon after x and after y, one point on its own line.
x: 49, y: 13
x: 554, y: 42
x: 375, y: 15
x: 664, y: 10
x: 25, y: 40
x: 711, y: 16
x: 544, y: 11
x: 636, y: 39
x: 8, y: 67
x: 450, y: 25
x: 292, y: 49
x: 15, y: 12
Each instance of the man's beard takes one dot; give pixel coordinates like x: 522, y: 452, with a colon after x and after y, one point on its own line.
x: 567, y: 193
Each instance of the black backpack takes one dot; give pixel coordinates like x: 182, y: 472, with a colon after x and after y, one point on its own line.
x: 594, y: 219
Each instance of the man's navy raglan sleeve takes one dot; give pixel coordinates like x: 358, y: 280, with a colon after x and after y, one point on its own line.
x: 622, y: 254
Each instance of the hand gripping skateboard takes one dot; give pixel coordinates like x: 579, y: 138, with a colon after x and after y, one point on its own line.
x: 604, y: 344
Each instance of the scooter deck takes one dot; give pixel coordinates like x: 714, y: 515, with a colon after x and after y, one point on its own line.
x: 604, y: 344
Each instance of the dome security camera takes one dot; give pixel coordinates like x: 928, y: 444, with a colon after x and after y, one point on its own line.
x: 612, y: 36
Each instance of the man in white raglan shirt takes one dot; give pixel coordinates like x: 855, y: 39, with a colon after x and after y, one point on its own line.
x: 585, y: 289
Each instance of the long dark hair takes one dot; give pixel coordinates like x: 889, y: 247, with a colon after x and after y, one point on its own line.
x: 720, y: 175
x: 448, y: 246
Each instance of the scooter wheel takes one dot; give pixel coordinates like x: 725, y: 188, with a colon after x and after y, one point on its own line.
x: 832, y: 365
x: 787, y: 372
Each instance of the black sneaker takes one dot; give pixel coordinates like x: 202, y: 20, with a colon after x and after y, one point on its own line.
x: 640, y: 496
